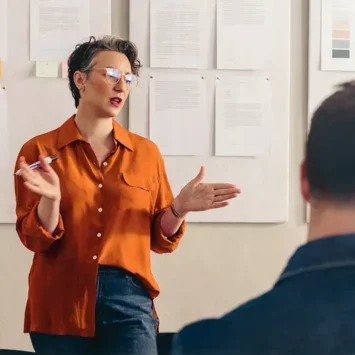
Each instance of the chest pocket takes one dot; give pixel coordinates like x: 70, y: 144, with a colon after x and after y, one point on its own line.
x: 135, y: 192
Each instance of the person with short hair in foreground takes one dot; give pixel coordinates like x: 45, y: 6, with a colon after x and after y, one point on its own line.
x: 311, y: 308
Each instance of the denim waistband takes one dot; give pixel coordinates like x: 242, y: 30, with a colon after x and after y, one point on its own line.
x: 107, y: 269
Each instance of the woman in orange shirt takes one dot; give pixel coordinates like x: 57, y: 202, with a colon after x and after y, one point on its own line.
x: 93, y: 215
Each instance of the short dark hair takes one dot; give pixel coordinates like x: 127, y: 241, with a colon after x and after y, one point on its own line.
x: 83, y: 57
x: 330, y: 150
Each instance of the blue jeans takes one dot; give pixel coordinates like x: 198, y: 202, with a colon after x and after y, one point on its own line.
x: 125, y: 324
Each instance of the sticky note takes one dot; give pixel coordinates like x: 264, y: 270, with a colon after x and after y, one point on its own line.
x: 47, y: 69
x: 65, y: 68
x: 1, y: 68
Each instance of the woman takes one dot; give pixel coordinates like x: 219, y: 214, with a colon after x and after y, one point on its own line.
x: 93, y: 215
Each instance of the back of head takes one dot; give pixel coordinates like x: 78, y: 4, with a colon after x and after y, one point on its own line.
x: 330, y: 150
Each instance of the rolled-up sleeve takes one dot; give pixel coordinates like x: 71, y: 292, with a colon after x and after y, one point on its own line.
x: 29, y: 229
x: 160, y: 243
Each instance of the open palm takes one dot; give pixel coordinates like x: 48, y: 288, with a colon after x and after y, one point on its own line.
x: 199, y: 196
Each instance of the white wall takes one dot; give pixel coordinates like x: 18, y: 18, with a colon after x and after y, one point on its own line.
x: 217, y: 266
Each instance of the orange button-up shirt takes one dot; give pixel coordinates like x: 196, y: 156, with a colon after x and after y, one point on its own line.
x: 109, y: 215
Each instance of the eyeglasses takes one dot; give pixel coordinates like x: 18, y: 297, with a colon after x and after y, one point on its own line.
x: 113, y: 76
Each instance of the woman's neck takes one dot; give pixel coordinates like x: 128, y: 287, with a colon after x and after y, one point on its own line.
x: 93, y: 129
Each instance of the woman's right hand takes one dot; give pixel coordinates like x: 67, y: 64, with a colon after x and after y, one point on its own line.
x: 43, y: 181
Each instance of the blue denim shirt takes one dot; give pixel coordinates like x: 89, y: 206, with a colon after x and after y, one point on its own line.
x: 310, y: 310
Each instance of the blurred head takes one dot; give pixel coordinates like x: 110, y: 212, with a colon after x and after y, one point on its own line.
x: 101, y: 74
x: 328, y: 172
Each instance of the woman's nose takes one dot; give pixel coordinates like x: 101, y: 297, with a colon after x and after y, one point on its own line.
x: 121, y: 84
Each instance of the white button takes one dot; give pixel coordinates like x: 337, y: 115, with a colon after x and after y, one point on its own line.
x: 99, y: 234
x: 100, y: 209
x: 100, y: 186
x: 94, y: 257
x: 104, y: 163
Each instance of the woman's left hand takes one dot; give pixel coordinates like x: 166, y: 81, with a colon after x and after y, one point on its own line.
x: 199, y: 196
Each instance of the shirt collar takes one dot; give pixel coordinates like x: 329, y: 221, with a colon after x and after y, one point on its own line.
x: 69, y: 133
x: 326, y: 253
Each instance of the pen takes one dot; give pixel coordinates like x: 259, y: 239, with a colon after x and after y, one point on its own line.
x: 37, y: 164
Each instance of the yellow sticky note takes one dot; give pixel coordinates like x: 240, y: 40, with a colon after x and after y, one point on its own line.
x: 47, y: 69
x: 65, y: 68
x: 0, y: 68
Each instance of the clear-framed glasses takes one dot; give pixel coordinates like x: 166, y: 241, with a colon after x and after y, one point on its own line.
x: 113, y: 76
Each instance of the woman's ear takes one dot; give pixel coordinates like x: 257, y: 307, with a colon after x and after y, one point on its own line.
x: 79, y: 79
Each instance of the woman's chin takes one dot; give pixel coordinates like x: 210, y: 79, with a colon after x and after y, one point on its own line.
x: 112, y: 112
x: 116, y: 110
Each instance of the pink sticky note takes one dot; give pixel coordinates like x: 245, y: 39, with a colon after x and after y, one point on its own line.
x: 65, y: 68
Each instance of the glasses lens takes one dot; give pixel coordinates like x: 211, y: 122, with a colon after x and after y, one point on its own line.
x: 113, y: 75
x: 131, y: 80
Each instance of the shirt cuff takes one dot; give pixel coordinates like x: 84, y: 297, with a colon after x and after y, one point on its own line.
x: 160, y: 240
x: 34, y: 227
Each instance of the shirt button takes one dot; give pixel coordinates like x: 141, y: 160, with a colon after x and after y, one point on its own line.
x: 100, y: 186
x: 99, y: 234
x: 104, y: 163
x: 94, y: 257
x: 100, y: 209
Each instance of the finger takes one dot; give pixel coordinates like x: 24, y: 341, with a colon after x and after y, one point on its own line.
x: 199, y: 177
x: 44, y: 165
x: 34, y: 188
x: 22, y: 163
x: 222, y: 192
x: 222, y: 186
x: 31, y: 180
x: 22, y: 160
x: 225, y: 197
x: 220, y: 204
x: 27, y: 173
x: 30, y: 183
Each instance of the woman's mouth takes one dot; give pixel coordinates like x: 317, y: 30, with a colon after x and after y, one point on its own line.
x: 116, y: 101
